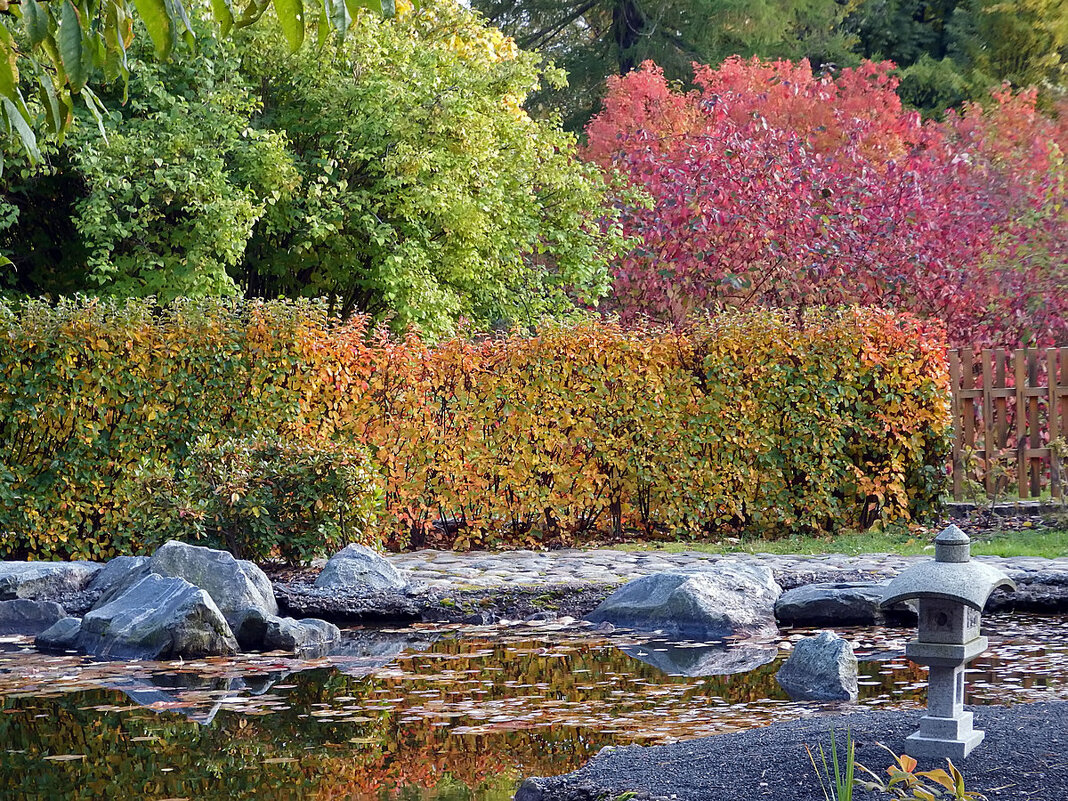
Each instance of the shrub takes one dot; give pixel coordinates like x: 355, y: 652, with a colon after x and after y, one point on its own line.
x: 767, y: 421
x: 261, y: 498
x: 775, y: 186
x: 90, y: 390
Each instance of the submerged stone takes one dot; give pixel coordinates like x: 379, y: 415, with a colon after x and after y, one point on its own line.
x: 300, y: 636
x: 23, y: 616
x: 688, y: 659
x: 821, y: 668
x: 61, y: 636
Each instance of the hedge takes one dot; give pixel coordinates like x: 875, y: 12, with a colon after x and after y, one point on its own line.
x: 767, y: 422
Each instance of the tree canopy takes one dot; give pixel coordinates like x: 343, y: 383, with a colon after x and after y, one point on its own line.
x: 592, y: 39
x: 419, y: 190
x: 51, y: 50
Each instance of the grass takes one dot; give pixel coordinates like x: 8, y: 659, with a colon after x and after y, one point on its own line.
x: 1046, y: 542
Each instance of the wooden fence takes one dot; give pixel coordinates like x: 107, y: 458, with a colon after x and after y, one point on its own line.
x: 1010, y: 422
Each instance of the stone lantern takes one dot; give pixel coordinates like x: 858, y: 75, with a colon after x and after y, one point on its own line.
x: 952, y: 591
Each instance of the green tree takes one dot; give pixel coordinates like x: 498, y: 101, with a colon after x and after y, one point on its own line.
x: 956, y: 50
x: 418, y: 190
x: 165, y: 202
x: 53, y: 49
x: 426, y: 190
x: 591, y: 39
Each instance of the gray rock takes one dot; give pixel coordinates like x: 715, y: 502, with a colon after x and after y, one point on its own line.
x: 841, y: 604
x: 158, y: 618
x: 821, y: 668
x: 62, y: 636
x: 23, y: 616
x: 725, y: 600
x: 358, y: 565
x: 44, y: 580
x: 252, y: 630
x: 689, y: 659
x: 236, y: 586
x: 300, y: 636
x: 117, y: 576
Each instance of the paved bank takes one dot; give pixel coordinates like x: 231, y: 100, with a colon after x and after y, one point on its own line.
x: 1025, y: 755
x: 484, y: 586
x: 486, y: 569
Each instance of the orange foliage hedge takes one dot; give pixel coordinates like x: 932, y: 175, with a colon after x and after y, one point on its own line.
x: 770, y: 422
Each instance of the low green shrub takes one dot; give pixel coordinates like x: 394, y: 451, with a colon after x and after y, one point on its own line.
x: 261, y: 498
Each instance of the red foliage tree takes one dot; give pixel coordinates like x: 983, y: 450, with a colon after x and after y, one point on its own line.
x: 773, y: 186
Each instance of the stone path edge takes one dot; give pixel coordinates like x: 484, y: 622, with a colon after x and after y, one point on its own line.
x: 483, y: 586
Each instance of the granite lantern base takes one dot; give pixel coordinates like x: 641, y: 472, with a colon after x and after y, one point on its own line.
x: 946, y: 730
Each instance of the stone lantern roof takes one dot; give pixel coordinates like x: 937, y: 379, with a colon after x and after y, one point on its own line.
x: 951, y: 577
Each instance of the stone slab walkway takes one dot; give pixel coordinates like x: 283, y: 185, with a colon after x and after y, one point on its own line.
x: 485, y: 569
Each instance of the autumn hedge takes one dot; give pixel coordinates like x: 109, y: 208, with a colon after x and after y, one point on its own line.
x: 767, y: 422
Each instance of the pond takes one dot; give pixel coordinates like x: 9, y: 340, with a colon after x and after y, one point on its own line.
x: 428, y: 712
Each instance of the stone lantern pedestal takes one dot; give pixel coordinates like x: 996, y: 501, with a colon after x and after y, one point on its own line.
x: 951, y: 591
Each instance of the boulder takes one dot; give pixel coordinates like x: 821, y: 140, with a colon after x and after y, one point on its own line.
x: 360, y: 566
x: 251, y: 631
x: 841, y: 604
x: 821, y: 668
x: 157, y: 618
x: 116, y: 577
x: 688, y: 659
x: 23, y: 616
x: 300, y: 636
x: 237, y: 587
x: 62, y: 636
x: 44, y: 580
x: 723, y: 600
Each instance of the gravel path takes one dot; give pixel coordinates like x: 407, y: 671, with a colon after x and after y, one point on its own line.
x: 1024, y: 755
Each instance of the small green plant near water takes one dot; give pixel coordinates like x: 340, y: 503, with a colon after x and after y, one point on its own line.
x: 836, y: 778
x: 926, y: 785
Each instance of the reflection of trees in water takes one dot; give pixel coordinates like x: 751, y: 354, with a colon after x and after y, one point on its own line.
x: 532, y: 707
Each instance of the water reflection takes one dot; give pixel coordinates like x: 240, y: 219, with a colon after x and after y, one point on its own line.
x: 424, y: 713
x: 702, y: 659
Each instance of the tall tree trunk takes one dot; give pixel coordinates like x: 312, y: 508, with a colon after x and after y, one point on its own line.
x: 628, y: 25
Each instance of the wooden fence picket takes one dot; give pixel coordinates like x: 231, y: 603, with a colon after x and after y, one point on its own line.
x: 1003, y: 427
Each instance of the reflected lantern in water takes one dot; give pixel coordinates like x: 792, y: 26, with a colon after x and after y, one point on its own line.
x: 951, y: 591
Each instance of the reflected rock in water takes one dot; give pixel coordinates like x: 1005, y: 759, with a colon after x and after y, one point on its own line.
x: 702, y: 659
x: 197, y: 698
x: 363, y: 651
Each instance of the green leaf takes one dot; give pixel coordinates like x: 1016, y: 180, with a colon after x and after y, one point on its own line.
x: 337, y: 13
x: 71, y: 45
x: 156, y: 16
x: 92, y: 102
x: 35, y: 21
x: 9, y: 73
x: 374, y: 5
x: 224, y: 15
x: 22, y: 126
x: 291, y: 17
x: 51, y: 103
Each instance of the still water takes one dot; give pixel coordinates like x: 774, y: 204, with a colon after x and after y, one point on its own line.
x: 433, y: 713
